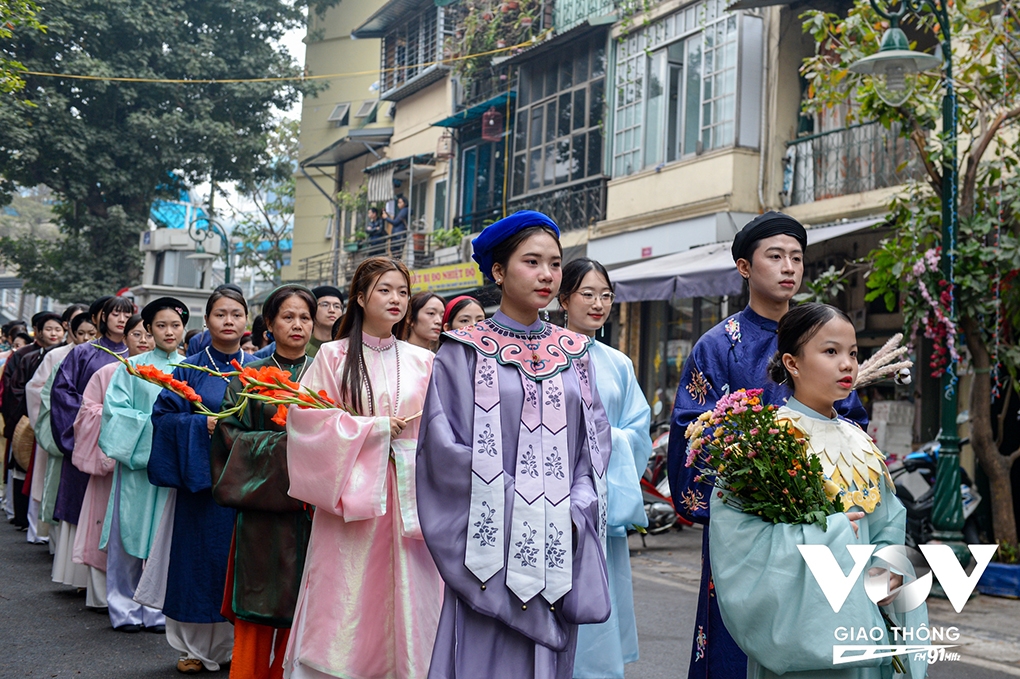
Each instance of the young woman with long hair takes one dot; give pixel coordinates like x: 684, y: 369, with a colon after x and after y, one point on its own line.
x: 135, y: 504
x: 426, y: 320
x: 370, y: 597
x: 586, y: 296
x: 249, y: 471
x: 200, y: 541
x: 512, y: 471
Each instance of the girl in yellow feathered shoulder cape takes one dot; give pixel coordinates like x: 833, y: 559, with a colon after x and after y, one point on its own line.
x: 769, y: 599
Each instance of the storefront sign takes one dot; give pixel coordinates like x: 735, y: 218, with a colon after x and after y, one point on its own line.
x: 449, y: 277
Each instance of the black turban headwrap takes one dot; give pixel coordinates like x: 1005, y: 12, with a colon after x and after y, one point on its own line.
x: 765, y: 226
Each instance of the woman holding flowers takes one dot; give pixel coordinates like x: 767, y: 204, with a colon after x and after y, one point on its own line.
x: 769, y: 600
x: 135, y: 504
x: 370, y: 594
x: 249, y: 471
x: 511, y: 473
x: 90, y: 459
x: 586, y: 297
x: 179, y: 459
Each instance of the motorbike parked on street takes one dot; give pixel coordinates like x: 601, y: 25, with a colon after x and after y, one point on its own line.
x: 914, y: 477
x: 662, y: 515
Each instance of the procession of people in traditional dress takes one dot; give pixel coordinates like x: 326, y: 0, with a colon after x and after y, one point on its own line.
x: 464, y: 510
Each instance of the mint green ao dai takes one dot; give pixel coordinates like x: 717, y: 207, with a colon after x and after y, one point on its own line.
x: 126, y: 437
x: 774, y: 608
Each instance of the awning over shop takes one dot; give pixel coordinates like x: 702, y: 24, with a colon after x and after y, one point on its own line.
x: 393, y: 12
x: 356, y: 143
x: 704, y: 271
x: 476, y: 111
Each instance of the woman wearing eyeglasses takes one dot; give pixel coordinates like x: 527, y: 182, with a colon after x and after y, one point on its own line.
x: 586, y: 295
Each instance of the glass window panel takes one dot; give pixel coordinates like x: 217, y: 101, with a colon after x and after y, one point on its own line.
x: 521, y: 130
x: 655, y: 110
x: 725, y: 135
x: 727, y: 108
x: 692, y: 95
x: 731, y: 53
x: 708, y: 88
x: 550, y: 82
x: 566, y: 73
x: 581, y: 65
x: 595, y: 103
x: 565, y: 115
x: 550, y: 165
x: 598, y: 61
x: 580, y: 110
x: 729, y: 85
x: 535, y: 169
x: 535, y: 138
x: 562, y: 161
x: 483, y: 177
x: 709, y: 58
x: 439, y: 205
x: 577, y: 164
x: 594, y: 153
x: 550, y: 120
x: 470, y: 169
x: 519, y: 166
x: 523, y: 87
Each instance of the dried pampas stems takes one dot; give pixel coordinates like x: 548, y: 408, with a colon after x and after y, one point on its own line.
x: 884, y: 363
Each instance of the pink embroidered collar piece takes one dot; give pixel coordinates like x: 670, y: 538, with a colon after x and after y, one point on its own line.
x: 539, y: 351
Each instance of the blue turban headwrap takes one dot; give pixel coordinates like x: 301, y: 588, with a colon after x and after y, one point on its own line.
x: 491, y: 236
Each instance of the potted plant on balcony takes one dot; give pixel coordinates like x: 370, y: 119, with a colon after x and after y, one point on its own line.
x: 447, y: 245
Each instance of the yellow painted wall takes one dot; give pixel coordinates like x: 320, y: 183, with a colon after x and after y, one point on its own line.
x: 330, y: 50
x: 721, y: 180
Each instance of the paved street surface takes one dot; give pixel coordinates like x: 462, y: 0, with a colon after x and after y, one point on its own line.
x: 48, y: 632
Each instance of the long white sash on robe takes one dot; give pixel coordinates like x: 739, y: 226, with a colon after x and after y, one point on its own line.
x: 541, y: 526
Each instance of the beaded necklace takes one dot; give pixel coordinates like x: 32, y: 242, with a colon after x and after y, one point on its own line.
x: 216, y: 366
x: 368, y: 385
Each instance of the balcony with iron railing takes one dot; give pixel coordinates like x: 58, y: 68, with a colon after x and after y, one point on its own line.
x: 416, y: 249
x: 847, y: 161
x: 573, y: 207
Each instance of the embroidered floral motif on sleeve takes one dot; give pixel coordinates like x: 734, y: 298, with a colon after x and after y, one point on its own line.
x: 693, y: 500
x: 698, y: 387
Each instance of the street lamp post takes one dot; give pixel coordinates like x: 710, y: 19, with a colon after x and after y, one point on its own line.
x: 893, y: 64
x: 207, y: 230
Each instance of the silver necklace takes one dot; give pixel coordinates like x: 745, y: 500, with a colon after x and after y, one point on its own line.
x: 304, y: 364
x: 368, y: 384
x: 216, y: 366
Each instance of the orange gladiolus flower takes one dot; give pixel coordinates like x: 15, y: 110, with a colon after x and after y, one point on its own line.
x: 280, y: 417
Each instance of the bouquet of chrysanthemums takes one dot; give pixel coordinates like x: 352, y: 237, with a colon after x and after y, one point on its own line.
x: 759, y: 465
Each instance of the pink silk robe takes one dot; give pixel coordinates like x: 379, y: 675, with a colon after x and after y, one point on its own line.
x: 370, y: 595
x: 88, y: 457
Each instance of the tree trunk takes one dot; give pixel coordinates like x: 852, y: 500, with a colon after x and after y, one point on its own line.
x: 996, y: 465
